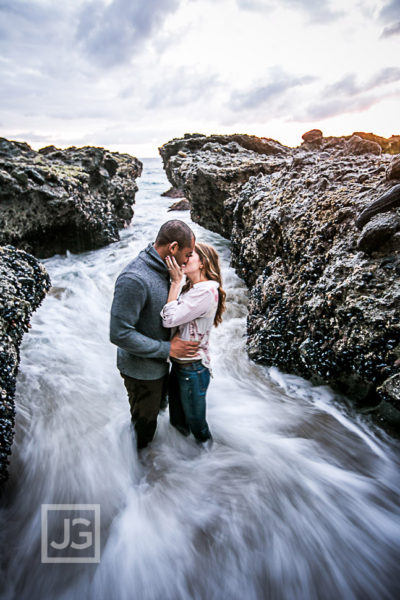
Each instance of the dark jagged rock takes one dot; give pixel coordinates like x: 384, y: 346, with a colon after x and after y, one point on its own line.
x: 379, y: 232
x: 324, y: 297
x: 388, y: 201
x: 195, y: 142
x: 173, y: 193
x: 23, y: 285
x: 180, y: 205
x: 225, y: 164
x: 54, y: 200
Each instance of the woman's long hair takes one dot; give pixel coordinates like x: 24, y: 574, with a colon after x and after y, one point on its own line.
x: 212, y: 270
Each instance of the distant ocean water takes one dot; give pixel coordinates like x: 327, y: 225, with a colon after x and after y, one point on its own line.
x: 298, y: 498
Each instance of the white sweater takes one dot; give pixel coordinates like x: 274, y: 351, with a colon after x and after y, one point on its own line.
x: 193, y: 314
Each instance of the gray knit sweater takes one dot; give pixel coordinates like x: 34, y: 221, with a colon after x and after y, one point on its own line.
x: 141, y: 290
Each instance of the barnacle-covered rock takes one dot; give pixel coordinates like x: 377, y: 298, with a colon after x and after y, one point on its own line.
x: 24, y: 283
x: 56, y: 200
x: 324, y: 292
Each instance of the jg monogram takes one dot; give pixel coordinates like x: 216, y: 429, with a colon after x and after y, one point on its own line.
x: 71, y: 549
x: 67, y: 535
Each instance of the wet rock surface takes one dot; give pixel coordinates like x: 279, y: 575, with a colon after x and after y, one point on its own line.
x: 173, y: 193
x: 315, y: 233
x: 23, y: 285
x: 54, y: 200
x: 180, y: 205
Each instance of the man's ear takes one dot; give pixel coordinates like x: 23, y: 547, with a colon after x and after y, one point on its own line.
x: 173, y: 248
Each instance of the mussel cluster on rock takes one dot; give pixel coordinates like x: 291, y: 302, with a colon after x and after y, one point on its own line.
x: 315, y: 233
x: 24, y: 283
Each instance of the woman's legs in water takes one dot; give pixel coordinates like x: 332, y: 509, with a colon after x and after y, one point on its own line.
x: 193, y: 382
x: 176, y: 414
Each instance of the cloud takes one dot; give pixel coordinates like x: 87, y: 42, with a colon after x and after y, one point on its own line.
x: 334, y: 107
x: 22, y: 24
x: 391, y: 30
x: 318, y: 11
x: 390, y: 12
x: 259, y: 95
x: 119, y: 71
x: 348, y: 95
x: 36, y: 40
x: 111, y: 34
x: 85, y: 35
x: 31, y: 12
x: 348, y: 85
x: 384, y: 77
x: 184, y: 86
x: 32, y: 136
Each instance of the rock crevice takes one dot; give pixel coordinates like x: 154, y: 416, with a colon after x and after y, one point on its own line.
x: 315, y: 234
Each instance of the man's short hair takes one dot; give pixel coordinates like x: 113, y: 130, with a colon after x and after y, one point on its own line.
x: 175, y: 231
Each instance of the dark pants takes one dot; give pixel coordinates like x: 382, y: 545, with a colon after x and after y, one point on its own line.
x: 187, y: 399
x: 145, y: 399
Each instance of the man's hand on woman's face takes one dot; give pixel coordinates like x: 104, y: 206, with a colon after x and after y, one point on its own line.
x: 174, y: 269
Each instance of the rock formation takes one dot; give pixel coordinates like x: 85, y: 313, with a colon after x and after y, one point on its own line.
x: 23, y: 285
x: 54, y: 200
x: 315, y: 234
x: 50, y: 201
x: 182, y: 204
x: 173, y: 193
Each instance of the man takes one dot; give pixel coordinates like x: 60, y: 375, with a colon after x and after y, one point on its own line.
x: 141, y: 290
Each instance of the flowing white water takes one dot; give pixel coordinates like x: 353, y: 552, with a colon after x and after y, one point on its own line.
x: 297, y: 499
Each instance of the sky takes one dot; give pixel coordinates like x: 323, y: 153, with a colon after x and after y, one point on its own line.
x: 130, y: 75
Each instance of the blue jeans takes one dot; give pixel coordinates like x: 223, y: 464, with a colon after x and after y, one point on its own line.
x: 187, y: 399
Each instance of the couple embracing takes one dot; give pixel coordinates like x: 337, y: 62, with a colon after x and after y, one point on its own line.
x: 161, y: 318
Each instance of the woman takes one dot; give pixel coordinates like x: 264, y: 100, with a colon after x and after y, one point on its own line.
x: 198, y: 308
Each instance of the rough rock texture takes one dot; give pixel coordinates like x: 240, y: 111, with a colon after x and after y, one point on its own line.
x: 23, y: 285
x: 357, y: 145
x: 180, y: 205
x: 393, y: 171
x: 196, y: 141
x: 325, y: 297
x: 173, y: 193
x: 54, y: 200
x: 212, y: 168
x: 315, y: 135
x: 389, y: 145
